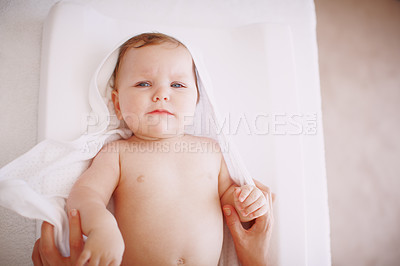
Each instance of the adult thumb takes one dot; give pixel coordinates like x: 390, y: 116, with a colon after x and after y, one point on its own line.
x: 233, y: 221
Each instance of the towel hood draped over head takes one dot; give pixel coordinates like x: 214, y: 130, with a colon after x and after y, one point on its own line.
x: 36, y: 184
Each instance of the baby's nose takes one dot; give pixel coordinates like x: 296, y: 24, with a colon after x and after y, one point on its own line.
x: 161, y: 94
x: 159, y: 98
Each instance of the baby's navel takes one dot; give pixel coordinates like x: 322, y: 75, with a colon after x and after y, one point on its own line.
x: 140, y: 179
x: 181, y: 261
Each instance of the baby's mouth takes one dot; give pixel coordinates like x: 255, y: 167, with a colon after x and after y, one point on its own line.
x: 160, y: 112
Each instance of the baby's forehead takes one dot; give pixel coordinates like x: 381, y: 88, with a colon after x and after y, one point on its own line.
x: 166, y: 48
x: 148, y: 57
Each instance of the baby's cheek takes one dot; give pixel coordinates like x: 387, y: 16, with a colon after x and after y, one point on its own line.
x: 185, y: 119
x: 132, y: 120
x: 189, y: 104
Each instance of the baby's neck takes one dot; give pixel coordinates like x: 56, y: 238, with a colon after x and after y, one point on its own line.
x: 166, y: 138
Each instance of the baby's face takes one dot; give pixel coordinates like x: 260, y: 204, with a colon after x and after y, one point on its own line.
x: 157, y: 93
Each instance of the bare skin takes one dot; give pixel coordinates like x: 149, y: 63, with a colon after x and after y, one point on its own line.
x: 246, y: 240
x: 157, y: 225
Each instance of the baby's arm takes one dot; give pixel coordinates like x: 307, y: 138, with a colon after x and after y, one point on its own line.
x: 90, y: 195
x: 248, y: 200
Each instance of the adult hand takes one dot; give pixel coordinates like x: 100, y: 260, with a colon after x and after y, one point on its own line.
x: 45, y: 251
x: 252, y: 244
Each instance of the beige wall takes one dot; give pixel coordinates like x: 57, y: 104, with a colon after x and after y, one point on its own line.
x: 359, y: 56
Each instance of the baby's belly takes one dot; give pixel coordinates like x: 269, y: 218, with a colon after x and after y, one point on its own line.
x: 170, y: 224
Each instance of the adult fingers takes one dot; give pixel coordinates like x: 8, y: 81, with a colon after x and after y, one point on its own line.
x: 75, y: 235
x: 265, y: 222
x: 83, y: 258
x: 37, y: 261
x: 266, y: 190
x: 49, y: 253
x: 233, y: 222
x: 261, y: 186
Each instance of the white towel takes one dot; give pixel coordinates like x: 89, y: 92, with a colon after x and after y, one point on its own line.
x: 37, y: 184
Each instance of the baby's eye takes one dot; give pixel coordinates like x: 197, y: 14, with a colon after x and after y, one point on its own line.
x: 177, y: 85
x: 143, y: 84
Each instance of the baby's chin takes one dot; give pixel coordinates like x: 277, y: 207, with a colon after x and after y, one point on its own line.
x: 158, y: 132
x: 158, y: 127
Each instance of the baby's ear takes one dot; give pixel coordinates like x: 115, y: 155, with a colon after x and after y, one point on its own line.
x: 115, y: 99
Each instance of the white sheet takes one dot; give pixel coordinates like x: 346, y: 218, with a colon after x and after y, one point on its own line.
x: 283, y: 64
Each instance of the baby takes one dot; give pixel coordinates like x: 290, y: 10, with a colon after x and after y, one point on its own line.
x: 167, y: 198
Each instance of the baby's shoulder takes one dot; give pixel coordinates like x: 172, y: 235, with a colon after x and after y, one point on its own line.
x: 115, y: 147
x: 108, y: 155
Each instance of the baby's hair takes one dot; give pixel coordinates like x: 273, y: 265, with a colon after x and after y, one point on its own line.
x: 142, y: 40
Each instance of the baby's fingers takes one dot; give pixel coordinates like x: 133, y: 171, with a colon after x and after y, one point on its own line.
x: 106, y: 261
x: 259, y: 212
x: 260, y: 202
x: 243, y: 192
x: 254, y: 195
x: 83, y: 258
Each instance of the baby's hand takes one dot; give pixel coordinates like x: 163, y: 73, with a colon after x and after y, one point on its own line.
x: 103, y: 247
x: 250, y: 202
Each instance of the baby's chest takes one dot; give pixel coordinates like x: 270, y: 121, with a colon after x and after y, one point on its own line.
x: 166, y: 176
